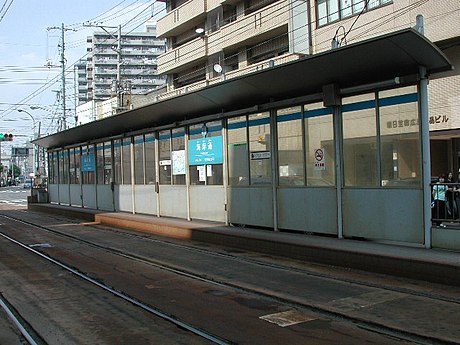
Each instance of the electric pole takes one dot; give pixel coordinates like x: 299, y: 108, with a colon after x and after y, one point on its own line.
x: 63, y: 121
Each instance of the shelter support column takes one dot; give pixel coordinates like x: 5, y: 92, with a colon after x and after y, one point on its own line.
x: 275, y: 170
x: 338, y: 140
x: 426, y: 159
x: 133, y: 182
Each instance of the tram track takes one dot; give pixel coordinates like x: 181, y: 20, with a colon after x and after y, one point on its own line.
x: 312, y: 307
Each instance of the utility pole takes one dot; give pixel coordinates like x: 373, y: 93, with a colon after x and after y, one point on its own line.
x: 63, y: 121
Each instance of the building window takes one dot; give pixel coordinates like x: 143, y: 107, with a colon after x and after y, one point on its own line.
x: 329, y: 11
x: 290, y: 147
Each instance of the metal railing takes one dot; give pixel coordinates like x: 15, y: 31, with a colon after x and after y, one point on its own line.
x: 445, y: 204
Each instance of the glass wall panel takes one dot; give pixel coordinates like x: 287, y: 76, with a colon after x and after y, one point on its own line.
x: 65, y: 167
x: 214, y: 172
x: 100, y: 163
x: 238, y: 152
x: 139, y: 159
x: 290, y: 147
x: 89, y: 177
x: 150, y: 158
x: 319, y: 145
x: 400, y: 137
x: 126, y: 160
x: 165, y: 157
x: 72, y: 171
x: 259, y: 149
x: 360, y: 140
x: 196, y: 172
x: 117, y: 161
x: 77, y: 165
x: 108, y: 162
x: 178, y: 156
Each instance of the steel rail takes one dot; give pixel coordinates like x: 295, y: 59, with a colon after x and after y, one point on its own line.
x: 132, y: 300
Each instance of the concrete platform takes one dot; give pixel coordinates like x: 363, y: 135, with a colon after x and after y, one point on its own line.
x: 433, y: 265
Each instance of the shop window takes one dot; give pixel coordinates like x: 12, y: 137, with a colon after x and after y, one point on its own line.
x: 238, y: 152
x: 290, y: 147
x: 178, y: 156
x: 165, y: 157
x: 400, y: 138
x: 126, y: 160
x: 108, y: 162
x: 117, y: 161
x: 259, y: 149
x: 319, y: 145
x: 206, y: 154
x: 149, y: 146
x: 360, y: 140
x: 139, y: 159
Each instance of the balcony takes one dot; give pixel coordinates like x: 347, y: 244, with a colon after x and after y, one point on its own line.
x: 252, y: 25
x: 192, y: 51
x: 191, y: 13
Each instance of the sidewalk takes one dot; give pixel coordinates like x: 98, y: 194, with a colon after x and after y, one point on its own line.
x: 437, y: 266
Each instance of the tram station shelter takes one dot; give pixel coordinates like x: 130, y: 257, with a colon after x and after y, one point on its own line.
x: 333, y: 144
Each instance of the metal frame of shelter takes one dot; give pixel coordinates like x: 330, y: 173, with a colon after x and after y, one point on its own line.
x: 390, y: 61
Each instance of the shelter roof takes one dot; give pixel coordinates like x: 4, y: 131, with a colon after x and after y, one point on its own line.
x: 381, y: 58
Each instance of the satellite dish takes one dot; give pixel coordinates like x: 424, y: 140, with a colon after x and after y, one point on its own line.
x: 217, y: 68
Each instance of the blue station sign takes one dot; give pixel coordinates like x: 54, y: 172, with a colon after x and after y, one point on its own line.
x: 88, y: 163
x: 205, y: 151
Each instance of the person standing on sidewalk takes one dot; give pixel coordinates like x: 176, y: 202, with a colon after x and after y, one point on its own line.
x: 439, y: 200
x: 451, y: 205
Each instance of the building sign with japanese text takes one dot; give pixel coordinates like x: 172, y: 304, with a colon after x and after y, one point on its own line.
x: 88, y: 163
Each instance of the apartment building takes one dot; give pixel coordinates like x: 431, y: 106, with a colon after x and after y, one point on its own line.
x: 210, y: 41
x: 133, y: 61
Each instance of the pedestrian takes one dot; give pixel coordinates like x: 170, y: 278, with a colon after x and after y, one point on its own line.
x: 451, y: 205
x: 439, y: 201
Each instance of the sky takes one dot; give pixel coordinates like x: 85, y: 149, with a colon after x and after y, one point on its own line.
x: 29, y: 42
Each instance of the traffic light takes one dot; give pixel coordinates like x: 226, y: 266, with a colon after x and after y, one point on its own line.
x: 6, y: 137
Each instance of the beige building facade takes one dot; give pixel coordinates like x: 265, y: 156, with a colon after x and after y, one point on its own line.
x: 212, y: 41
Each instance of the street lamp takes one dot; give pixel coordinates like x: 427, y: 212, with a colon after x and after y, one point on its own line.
x: 36, y: 155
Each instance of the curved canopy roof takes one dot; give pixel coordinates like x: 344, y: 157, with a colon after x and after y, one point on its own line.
x: 374, y: 60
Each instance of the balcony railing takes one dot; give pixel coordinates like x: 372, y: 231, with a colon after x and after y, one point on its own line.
x: 191, y: 10
x: 187, y: 53
x: 254, y: 24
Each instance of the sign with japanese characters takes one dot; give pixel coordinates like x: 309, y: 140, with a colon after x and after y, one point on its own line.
x: 320, y: 163
x: 88, y: 163
x: 178, y: 162
x: 205, y: 151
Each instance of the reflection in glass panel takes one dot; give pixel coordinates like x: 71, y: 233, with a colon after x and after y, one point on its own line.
x: 126, y: 160
x: 150, y: 158
x: 100, y: 163
x: 290, y: 147
x: 107, y: 162
x: 72, y: 166
x: 400, y: 137
x: 165, y: 157
x: 319, y: 145
x: 360, y: 141
x: 117, y: 161
x: 77, y: 165
x: 139, y: 159
x: 259, y: 149
x: 238, y: 153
